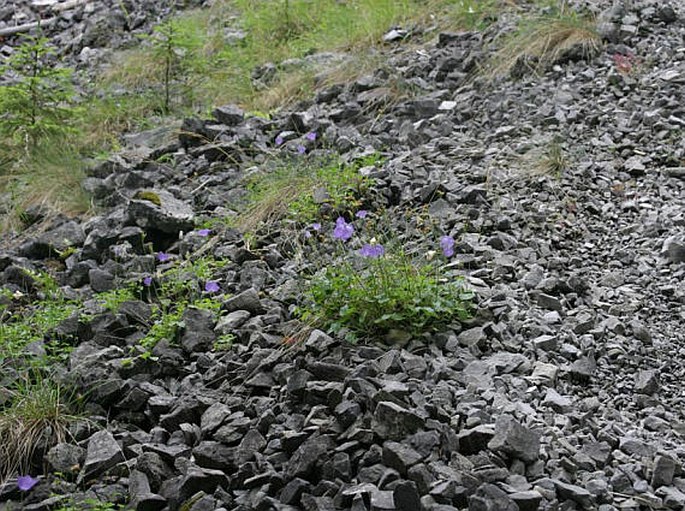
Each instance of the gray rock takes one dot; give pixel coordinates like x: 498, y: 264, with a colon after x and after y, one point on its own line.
x: 489, y: 497
x: 664, y: 470
x: 101, y: 280
x: 197, y: 334
x: 66, y: 458
x: 527, y: 500
x: 161, y: 211
x: 155, y: 468
x: 248, y: 300
x: 196, y: 479
x: 558, y: 403
x: 674, y: 249
x: 474, y: 440
x: 672, y: 497
x: 55, y: 241
x: 215, y: 455
x: 515, y: 440
x: 647, y: 382
x: 406, y: 497
x: 576, y: 493
x: 230, y: 115
x: 140, y: 496
x: 103, y: 454
x: 393, y: 422
x: 400, y: 457
x: 308, y: 455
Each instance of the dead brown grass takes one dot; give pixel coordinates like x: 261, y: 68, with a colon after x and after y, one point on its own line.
x: 543, y: 41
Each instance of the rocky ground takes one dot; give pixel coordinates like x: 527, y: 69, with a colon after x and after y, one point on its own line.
x: 562, y: 393
x: 83, y: 31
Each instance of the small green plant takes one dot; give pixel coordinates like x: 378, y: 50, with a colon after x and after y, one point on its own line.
x: 188, y: 284
x: 38, y: 103
x: 554, y: 161
x: 299, y: 191
x: 23, y: 321
x: 90, y: 505
x: 37, y: 418
x: 224, y: 342
x: 112, y: 300
x: 377, y: 293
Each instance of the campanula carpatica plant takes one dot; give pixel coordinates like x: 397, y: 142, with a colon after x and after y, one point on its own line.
x: 371, y: 289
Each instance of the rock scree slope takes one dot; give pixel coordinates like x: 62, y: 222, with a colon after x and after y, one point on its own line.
x: 564, y: 390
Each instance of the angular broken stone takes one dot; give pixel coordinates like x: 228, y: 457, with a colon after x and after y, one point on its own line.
x: 159, y: 210
x: 515, y: 440
x: 103, y: 453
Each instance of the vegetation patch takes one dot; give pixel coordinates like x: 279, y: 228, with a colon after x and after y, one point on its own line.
x: 300, y: 190
x: 24, y: 321
x: 540, y: 41
x: 375, y: 290
x: 37, y: 418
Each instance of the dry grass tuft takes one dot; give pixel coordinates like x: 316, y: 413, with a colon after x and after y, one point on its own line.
x: 51, y: 177
x: 544, y: 41
x: 550, y: 160
x: 273, y: 203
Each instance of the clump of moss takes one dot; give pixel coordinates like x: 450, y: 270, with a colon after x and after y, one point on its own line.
x: 149, y: 196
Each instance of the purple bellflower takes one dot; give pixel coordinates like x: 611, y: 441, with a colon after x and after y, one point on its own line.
x: 447, y: 245
x: 343, y: 231
x: 25, y: 483
x: 372, y: 251
x: 212, y: 286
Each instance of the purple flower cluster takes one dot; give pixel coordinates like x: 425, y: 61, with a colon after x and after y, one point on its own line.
x: 343, y: 231
x: 447, y: 246
x: 25, y: 483
x: 372, y: 251
x: 301, y: 149
x: 212, y: 286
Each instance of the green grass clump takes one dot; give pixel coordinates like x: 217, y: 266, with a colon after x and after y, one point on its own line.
x: 37, y: 418
x: 381, y: 280
x: 90, y: 505
x: 289, y: 191
x: 50, y: 173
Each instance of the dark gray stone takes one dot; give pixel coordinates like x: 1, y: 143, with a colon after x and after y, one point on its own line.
x: 169, y: 216
x: 393, y: 422
x: 515, y: 440
x: 248, y: 300
x: 647, y: 382
x: 400, y: 457
x: 66, y: 458
x: 197, y: 334
x: 489, y: 497
x: 101, y: 280
x: 308, y: 456
x: 664, y: 470
x: 103, y: 454
x: 230, y: 115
